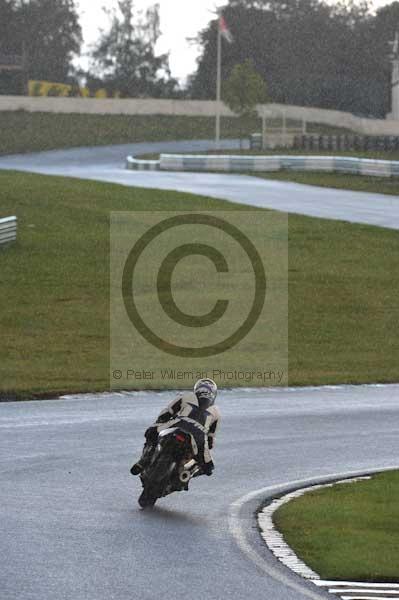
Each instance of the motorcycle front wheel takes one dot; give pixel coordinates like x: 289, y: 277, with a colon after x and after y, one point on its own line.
x: 146, y: 500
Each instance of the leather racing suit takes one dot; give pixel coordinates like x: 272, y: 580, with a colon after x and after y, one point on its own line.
x: 184, y: 412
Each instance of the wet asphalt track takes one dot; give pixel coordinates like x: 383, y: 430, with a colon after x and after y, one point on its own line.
x: 70, y: 527
x: 107, y: 164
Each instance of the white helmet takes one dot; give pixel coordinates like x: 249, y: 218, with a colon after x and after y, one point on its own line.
x: 206, y: 391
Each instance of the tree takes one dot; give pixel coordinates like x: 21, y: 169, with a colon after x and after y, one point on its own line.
x: 47, y: 31
x: 53, y: 36
x: 243, y: 90
x: 10, y: 82
x: 381, y: 31
x: 8, y: 32
x: 125, y: 57
x: 312, y: 53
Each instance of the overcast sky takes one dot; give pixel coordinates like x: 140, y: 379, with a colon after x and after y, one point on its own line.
x: 180, y: 19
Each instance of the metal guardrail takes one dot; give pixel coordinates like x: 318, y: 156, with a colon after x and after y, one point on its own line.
x: 8, y: 230
x: 135, y: 164
x: 231, y: 163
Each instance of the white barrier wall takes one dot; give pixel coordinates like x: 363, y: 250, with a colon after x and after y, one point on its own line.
x: 8, y: 230
x: 230, y: 164
x: 112, y: 106
x: 197, y: 108
x: 334, y: 118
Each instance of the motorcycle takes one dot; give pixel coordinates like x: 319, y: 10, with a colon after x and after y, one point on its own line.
x: 171, y: 467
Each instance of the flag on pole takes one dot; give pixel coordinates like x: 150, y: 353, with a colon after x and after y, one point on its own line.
x: 224, y: 30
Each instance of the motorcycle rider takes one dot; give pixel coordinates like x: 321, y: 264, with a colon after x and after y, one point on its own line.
x: 193, y: 412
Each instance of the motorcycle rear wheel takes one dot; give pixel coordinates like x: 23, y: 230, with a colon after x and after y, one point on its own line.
x: 155, y: 476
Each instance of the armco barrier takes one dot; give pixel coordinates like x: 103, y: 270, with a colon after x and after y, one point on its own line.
x: 228, y: 163
x: 382, y: 168
x: 8, y: 230
x: 196, y: 162
x: 134, y: 164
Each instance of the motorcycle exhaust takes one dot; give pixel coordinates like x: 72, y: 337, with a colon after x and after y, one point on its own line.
x: 189, y: 469
x: 185, y: 476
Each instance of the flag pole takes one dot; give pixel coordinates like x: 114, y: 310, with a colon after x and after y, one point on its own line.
x: 218, y: 86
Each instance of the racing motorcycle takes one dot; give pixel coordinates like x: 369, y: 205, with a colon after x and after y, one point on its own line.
x: 171, y: 467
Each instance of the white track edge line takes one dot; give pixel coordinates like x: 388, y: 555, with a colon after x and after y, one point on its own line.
x: 368, y: 591
x: 238, y: 529
x: 358, y: 584
x: 364, y: 597
x: 275, y: 540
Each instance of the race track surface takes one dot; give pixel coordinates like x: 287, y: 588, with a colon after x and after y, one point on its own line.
x: 107, y: 164
x: 70, y: 524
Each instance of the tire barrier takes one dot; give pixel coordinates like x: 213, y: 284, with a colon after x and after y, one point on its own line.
x: 361, y: 143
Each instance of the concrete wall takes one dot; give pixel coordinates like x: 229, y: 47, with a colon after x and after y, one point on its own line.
x: 334, y: 118
x: 134, y: 106
x: 139, y: 106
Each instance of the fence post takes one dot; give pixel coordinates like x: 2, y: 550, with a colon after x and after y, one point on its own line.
x: 263, y: 129
x: 284, y: 137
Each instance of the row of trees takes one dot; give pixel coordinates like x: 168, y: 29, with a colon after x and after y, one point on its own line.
x: 48, y: 34
x: 125, y: 61
x: 309, y: 52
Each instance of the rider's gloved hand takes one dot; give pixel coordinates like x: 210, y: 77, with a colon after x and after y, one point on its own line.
x: 151, y: 435
x: 207, y: 468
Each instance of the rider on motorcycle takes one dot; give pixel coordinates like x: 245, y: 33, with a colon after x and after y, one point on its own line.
x: 193, y: 412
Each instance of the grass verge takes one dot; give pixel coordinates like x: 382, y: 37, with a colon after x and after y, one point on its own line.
x: 347, y: 532
x: 32, y: 132
x: 54, y: 289
x: 341, y: 181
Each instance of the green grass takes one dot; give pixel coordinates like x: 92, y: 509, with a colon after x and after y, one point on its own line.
x: 347, y: 532
x: 343, y: 181
x: 30, y: 132
x: 22, y: 131
x: 54, y: 289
